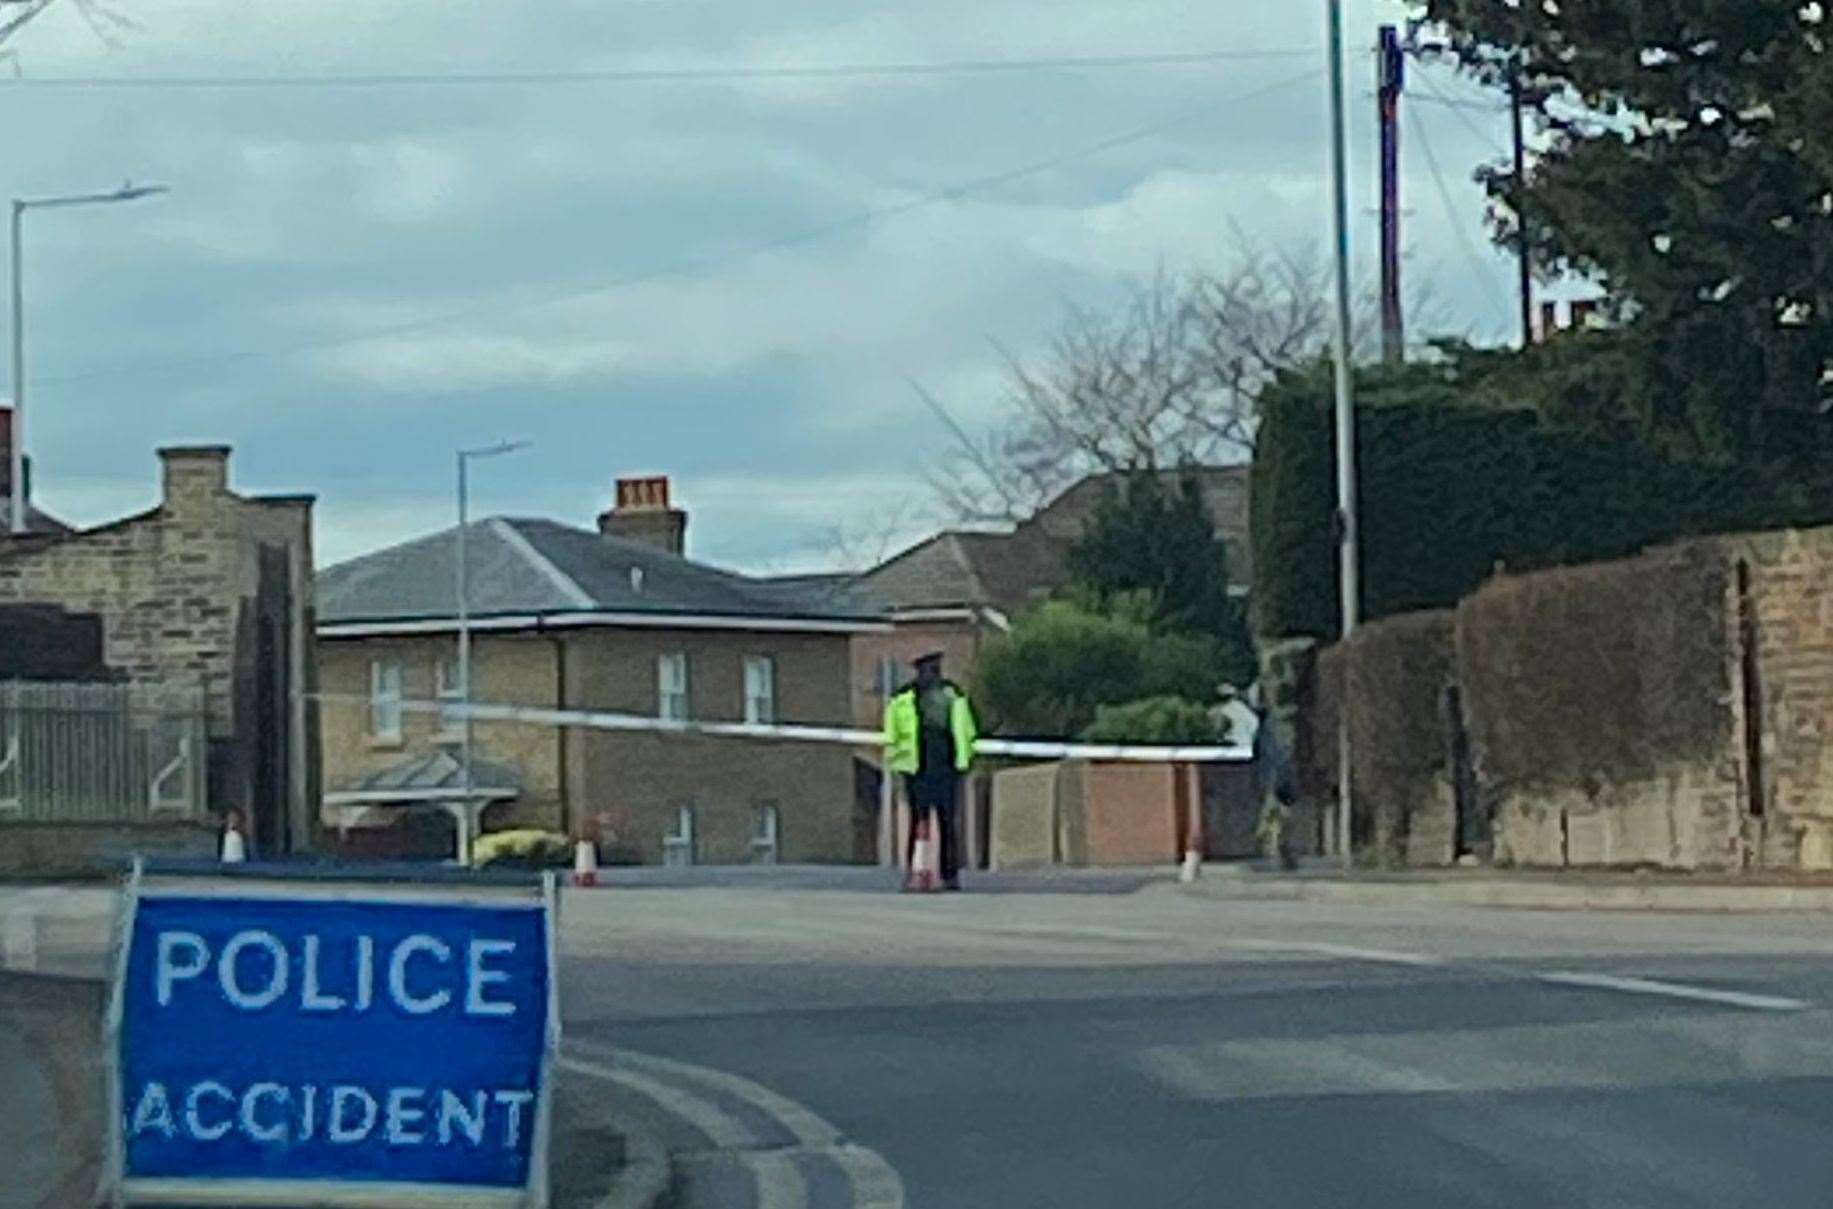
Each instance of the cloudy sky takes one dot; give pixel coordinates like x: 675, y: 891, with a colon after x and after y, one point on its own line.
x: 348, y: 283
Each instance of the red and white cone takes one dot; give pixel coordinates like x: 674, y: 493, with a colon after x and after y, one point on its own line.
x: 235, y: 847
x: 585, y: 863
x: 922, y: 860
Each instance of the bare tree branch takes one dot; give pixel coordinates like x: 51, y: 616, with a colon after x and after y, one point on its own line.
x: 1170, y: 376
x: 862, y: 543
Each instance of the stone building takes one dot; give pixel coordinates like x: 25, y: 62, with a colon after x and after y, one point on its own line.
x: 208, y: 592
x: 618, y: 621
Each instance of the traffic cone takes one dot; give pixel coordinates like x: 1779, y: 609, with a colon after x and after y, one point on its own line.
x: 922, y: 860
x: 235, y: 848
x: 585, y: 863
x: 1193, y: 866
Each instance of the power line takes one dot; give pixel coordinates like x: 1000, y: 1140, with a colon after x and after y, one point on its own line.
x: 1458, y: 108
x: 863, y: 219
x: 1472, y: 106
x: 1453, y: 219
x: 660, y: 74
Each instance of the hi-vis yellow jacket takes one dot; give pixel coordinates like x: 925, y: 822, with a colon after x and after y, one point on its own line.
x: 902, y: 726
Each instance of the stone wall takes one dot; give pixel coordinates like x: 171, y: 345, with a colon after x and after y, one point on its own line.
x: 1786, y: 683
x: 1024, y: 827
x: 77, y: 849
x: 176, y: 589
x: 1671, y: 710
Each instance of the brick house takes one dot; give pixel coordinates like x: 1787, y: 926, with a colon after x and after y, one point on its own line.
x: 208, y: 592
x: 952, y: 591
x: 616, y: 620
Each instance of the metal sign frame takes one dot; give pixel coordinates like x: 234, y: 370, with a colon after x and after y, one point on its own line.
x: 117, y: 1188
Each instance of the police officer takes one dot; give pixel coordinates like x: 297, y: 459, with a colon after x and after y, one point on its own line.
x: 929, y: 741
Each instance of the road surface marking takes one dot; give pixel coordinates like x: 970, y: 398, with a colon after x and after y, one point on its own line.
x: 1674, y: 990
x: 876, y: 1184
x: 723, y: 1130
x: 1348, y: 952
x: 779, y: 1183
x: 803, y: 1125
x: 1071, y: 934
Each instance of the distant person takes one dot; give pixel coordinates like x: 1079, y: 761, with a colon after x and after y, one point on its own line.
x: 929, y: 741
x: 1275, y: 786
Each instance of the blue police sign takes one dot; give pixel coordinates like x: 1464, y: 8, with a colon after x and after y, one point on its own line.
x: 279, y: 1040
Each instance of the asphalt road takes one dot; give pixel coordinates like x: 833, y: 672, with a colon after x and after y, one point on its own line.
x: 1104, y: 1041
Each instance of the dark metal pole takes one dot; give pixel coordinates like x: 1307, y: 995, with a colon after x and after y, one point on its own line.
x: 1527, y: 280
x: 1392, y: 67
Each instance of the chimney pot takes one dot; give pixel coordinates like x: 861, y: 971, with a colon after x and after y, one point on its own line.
x: 643, y: 514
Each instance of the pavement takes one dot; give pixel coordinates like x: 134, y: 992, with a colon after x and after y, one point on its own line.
x: 1070, y: 1039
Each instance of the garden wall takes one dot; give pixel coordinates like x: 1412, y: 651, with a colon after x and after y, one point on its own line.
x: 1674, y: 709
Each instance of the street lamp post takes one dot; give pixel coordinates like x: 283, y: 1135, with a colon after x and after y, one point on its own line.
x: 127, y: 192
x: 1349, y: 550
x: 464, y: 616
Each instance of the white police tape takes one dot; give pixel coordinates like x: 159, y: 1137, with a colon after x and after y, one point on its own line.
x: 601, y: 720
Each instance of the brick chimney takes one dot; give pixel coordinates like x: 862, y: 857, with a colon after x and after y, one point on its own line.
x: 643, y: 514
x: 193, y: 474
x: 6, y: 471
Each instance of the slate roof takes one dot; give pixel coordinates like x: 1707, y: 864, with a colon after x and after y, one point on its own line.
x: 440, y: 769
x: 1011, y: 570
x: 523, y: 566
x: 38, y: 523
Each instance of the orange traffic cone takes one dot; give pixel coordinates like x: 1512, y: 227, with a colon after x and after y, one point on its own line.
x: 585, y: 863
x: 923, y: 859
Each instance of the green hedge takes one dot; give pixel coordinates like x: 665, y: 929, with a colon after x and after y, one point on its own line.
x: 1450, y: 492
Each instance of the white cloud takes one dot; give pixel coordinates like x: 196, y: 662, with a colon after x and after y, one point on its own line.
x: 301, y: 217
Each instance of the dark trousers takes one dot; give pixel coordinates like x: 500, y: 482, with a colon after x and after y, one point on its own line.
x: 934, y: 797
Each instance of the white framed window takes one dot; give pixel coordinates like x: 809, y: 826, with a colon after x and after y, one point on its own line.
x: 760, y: 689
x: 766, y: 833
x: 385, y: 700
x: 671, y: 686
x: 451, y: 695
x: 678, y: 845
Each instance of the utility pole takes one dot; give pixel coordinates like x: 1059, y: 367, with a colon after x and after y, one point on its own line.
x: 1346, y: 417
x: 1523, y: 265
x: 1391, y: 70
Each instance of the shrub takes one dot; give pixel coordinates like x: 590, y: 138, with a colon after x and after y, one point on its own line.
x: 524, y: 849
x: 1158, y: 720
x: 1051, y: 674
x: 1451, y: 491
x: 1599, y: 673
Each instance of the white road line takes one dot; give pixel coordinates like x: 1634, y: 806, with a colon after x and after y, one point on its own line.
x: 807, y: 1128
x: 876, y: 1184
x: 1674, y: 990
x: 779, y: 1183
x: 1348, y: 952
x: 723, y: 1130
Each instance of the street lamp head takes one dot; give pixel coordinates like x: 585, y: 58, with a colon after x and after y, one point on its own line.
x: 491, y: 451
x: 127, y: 192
